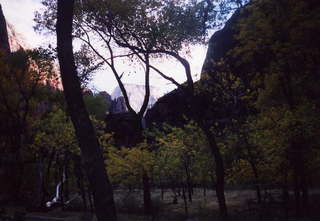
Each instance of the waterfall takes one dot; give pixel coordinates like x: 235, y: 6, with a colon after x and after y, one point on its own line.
x: 57, y: 198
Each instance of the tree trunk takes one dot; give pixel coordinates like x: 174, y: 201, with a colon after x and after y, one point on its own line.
x: 37, y: 200
x: 185, y: 200
x: 147, y: 203
x: 256, y: 177
x: 219, y: 173
x: 162, y: 189
x: 66, y: 170
x: 90, y: 149
x: 297, y: 194
x: 189, y: 185
x: 204, y: 189
x: 47, y: 177
x: 80, y: 181
x: 305, y: 194
x: 285, y: 197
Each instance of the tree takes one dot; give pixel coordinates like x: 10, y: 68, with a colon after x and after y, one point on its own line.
x: 147, y: 29
x: 285, y: 62
x: 22, y: 80
x: 90, y: 150
x: 97, y: 106
x: 54, y: 142
x: 183, y: 160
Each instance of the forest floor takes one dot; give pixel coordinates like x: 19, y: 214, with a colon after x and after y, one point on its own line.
x: 241, y: 207
x: 241, y: 204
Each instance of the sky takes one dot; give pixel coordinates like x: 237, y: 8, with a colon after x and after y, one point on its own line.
x: 20, y: 14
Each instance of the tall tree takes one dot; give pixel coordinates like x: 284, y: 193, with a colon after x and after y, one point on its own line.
x: 90, y: 149
x: 147, y: 29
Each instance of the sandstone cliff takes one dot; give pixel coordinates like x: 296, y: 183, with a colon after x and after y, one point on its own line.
x: 16, y: 40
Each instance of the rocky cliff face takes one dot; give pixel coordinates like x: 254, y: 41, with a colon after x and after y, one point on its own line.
x: 10, y: 40
x: 169, y: 108
x: 16, y: 40
x: 126, y: 126
x: 4, y: 41
x: 221, y: 43
x: 136, y: 96
x: 172, y: 107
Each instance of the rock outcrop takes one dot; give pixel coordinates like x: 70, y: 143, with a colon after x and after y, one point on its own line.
x: 10, y: 39
x: 221, y: 43
x: 126, y: 126
x: 4, y: 40
x: 174, y: 107
x: 16, y: 40
x: 136, y: 96
x: 169, y: 108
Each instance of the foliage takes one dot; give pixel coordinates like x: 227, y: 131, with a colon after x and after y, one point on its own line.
x: 178, y: 154
x: 182, y: 154
x: 25, y: 75
x: 127, y: 165
x: 282, y: 58
x: 55, y: 131
x: 97, y: 105
x: 87, y: 64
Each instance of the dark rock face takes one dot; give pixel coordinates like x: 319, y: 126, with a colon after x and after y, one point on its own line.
x: 220, y: 47
x: 135, y: 95
x: 6, y: 161
x: 118, y: 105
x: 4, y: 40
x: 169, y: 108
x: 174, y: 107
x: 126, y: 126
x: 220, y: 43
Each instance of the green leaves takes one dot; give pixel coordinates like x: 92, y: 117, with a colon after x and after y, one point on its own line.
x: 97, y: 106
x: 55, y: 131
x: 127, y: 165
x: 181, y: 148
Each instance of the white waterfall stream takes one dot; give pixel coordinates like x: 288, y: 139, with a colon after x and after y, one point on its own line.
x: 57, y: 198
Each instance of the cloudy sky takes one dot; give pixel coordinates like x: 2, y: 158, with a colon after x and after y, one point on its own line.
x: 20, y: 14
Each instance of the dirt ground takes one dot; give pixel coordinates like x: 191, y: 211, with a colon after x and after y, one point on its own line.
x: 241, y: 207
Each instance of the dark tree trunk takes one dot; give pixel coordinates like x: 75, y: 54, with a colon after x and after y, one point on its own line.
x: 297, y: 194
x: 146, y: 194
x: 39, y: 187
x: 204, y: 189
x: 305, y: 194
x: 256, y: 176
x: 80, y: 181
x: 90, y: 150
x: 185, y: 200
x: 66, y: 170
x: 219, y: 173
x: 253, y: 164
x: 162, y: 188
x: 189, y: 185
x: 285, y: 197
x: 46, y: 180
x: 299, y: 177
